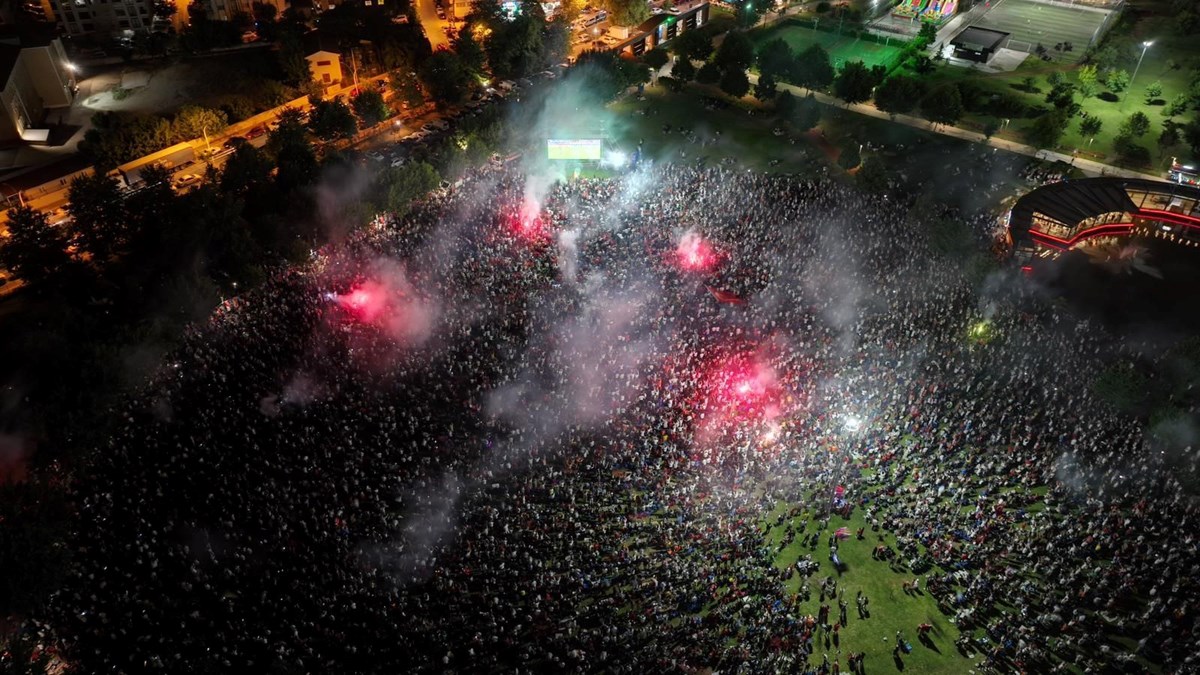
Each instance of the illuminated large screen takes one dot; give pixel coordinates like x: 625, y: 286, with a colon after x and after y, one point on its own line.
x: 576, y: 148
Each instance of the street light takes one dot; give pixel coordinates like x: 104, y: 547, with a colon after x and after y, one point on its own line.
x: 1145, y: 46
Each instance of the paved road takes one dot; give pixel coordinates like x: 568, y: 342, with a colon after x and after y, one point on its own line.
x: 435, y: 28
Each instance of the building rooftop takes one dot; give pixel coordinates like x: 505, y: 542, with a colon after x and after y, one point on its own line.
x: 980, y: 38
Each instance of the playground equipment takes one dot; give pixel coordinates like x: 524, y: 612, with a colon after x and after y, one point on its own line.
x: 935, y: 11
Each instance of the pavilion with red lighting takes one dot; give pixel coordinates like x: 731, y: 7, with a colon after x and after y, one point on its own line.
x: 1059, y: 217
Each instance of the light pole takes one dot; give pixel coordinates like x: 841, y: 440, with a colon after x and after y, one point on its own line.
x: 1145, y: 46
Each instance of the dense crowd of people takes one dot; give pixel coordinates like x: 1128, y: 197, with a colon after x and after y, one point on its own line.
x: 523, y: 429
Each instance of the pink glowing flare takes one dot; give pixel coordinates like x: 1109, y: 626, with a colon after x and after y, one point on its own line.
x: 695, y: 254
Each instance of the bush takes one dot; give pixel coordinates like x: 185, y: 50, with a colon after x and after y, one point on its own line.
x: 823, y: 7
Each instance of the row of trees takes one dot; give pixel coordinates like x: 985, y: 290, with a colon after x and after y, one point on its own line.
x: 118, y: 137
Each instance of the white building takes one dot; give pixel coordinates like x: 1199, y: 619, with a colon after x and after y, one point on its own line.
x: 36, y: 79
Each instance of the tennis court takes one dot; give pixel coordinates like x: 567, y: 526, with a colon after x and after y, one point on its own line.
x: 1031, y: 22
x: 841, y: 48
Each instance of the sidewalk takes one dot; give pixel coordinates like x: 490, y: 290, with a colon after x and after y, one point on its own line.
x: 1088, y: 166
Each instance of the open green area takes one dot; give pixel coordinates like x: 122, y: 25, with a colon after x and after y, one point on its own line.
x: 842, y: 47
x: 666, y: 124
x: 890, y: 608
x: 1034, y: 23
x: 1106, y: 90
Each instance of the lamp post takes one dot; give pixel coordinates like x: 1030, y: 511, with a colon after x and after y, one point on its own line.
x: 1145, y: 46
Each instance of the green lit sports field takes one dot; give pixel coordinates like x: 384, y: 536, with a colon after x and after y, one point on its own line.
x: 841, y: 48
x: 1035, y: 22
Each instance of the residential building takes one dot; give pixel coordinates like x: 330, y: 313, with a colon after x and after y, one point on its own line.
x: 326, y: 68
x: 224, y: 10
x: 105, y: 18
x: 37, y: 79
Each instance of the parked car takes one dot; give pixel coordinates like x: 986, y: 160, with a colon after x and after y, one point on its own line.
x: 256, y: 132
x: 186, y: 179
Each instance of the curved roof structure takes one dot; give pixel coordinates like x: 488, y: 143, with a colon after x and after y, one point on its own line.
x: 1060, y: 216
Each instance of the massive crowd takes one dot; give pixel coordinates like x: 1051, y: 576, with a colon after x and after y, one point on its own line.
x: 520, y: 430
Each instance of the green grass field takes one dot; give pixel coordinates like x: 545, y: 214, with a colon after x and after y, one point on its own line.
x: 891, y: 609
x: 1035, y: 22
x: 747, y: 140
x: 841, y: 48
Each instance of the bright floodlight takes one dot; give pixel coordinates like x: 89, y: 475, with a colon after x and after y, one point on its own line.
x: 1147, y: 43
x: 853, y: 423
x: 616, y: 159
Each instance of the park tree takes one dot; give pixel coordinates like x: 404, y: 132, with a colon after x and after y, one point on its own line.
x: 332, y: 119
x: 446, y: 78
x: 776, y: 59
x: 1178, y: 106
x: 735, y: 83
x: 406, y: 88
x: 735, y: 53
x: 514, y: 48
x: 400, y: 186
x: 854, y: 82
x: 369, y: 106
x: 556, y: 41
x: 656, y: 58
x: 1061, y: 95
x: 627, y: 12
x: 1136, y: 125
x: 117, y: 137
x: 1153, y: 91
x: 469, y: 51
x: 245, y: 170
x: 1090, y: 126
x: 292, y: 58
x: 1117, y: 81
x: 1085, y: 90
x: 1130, y: 151
x: 927, y: 34
x: 898, y: 94
x: 683, y: 70
x: 943, y: 104
x: 785, y: 104
x: 1168, y: 138
x: 34, y: 250
x: 193, y: 121
x: 693, y: 44
x: 608, y: 74
x: 1086, y: 74
x: 1048, y: 128
x: 813, y: 70
x: 99, y: 220
x: 709, y: 73
x: 766, y: 88
x: 808, y: 113
x: 1191, y: 134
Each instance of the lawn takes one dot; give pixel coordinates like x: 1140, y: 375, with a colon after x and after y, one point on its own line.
x: 731, y: 132
x: 841, y: 48
x: 891, y: 609
x: 1035, y: 22
x: 1165, y: 62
